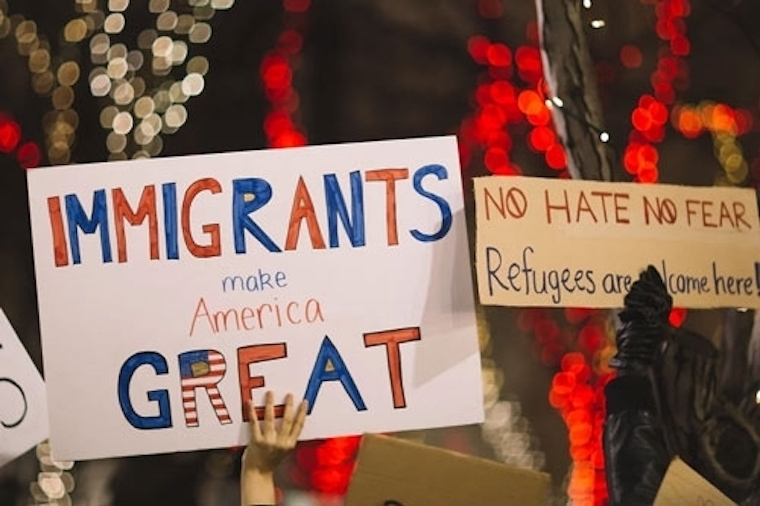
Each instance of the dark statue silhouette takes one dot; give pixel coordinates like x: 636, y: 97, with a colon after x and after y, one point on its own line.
x: 666, y: 401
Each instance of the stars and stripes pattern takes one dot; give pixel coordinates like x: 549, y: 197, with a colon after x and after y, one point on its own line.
x: 202, y: 369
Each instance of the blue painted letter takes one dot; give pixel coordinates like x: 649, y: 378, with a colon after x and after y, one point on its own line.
x: 446, y: 219
x: 329, y: 366
x: 336, y: 208
x: 248, y: 196
x: 77, y: 219
x: 170, y: 220
x: 163, y: 419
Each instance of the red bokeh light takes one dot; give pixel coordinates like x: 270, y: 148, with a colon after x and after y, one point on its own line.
x: 496, y: 159
x: 28, y: 155
x: 577, y: 314
x: 677, y: 316
x: 546, y: 330
x: 671, y: 73
x: 491, y: 117
x: 502, y: 92
x: 290, y: 42
x: 528, y: 60
x: 541, y: 138
x: 648, y: 174
x: 477, y: 46
x: 631, y: 57
x: 275, y: 72
x: 688, y: 122
x: 555, y: 157
x: 331, y: 480
x: 641, y: 119
x: 498, y: 138
x: 296, y: 6
x: 529, y: 102
x: 289, y: 139
x: 591, y: 337
x: 10, y: 134
x: 680, y: 45
x: 540, y: 117
x: 277, y: 122
x: 328, y: 463
x: 499, y: 55
x: 490, y: 9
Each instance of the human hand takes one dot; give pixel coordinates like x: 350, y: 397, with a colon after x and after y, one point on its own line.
x: 269, y: 445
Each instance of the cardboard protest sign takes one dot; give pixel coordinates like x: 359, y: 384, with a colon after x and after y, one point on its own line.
x: 682, y: 485
x: 172, y: 290
x: 23, y: 409
x: 394, y: 471
x: 549, y: 242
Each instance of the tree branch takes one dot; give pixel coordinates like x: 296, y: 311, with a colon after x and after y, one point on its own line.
x: 570, y: 76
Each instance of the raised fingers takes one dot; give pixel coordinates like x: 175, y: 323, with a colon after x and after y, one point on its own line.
x: 287, y: 417
x: 255, y: 427
x: 299, y: 420
x: 269, y: 428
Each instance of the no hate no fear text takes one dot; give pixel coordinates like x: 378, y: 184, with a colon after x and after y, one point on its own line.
x: 563, y: 206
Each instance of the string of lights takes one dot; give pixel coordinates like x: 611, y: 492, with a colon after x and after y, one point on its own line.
x: 650, y: 116
x: 146, y: 99
x: 578, y: 345
x: 277, y: 68
x: 52, y: 76
x: 509, y: 434
x: 54, y: 482
x: 25, y: 152
x: 324, y: 466
x: 501, y: 102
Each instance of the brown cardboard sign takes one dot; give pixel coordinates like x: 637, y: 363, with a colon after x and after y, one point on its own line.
x: 683, y: 486
x: 392, y: 471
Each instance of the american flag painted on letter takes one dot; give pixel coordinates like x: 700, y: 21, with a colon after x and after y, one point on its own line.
x: 202, y: 369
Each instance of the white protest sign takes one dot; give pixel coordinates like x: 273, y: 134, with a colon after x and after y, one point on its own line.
x: 23, y: 409
x: 549, y: 242
x: 170, y: 290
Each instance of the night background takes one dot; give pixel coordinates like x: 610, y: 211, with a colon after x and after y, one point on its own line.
x: 90, y: 81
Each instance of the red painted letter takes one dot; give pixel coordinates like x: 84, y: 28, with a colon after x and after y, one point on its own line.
x: 247, y: 355
x: 60, y: 249
x: 303, y: 209
x: 145, y: 209
x: 390, y: 176
x: 210, y: 250
x: 391, y: 339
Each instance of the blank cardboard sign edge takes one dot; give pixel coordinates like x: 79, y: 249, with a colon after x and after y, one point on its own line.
x: 414, y: 474
x: 683, y: 485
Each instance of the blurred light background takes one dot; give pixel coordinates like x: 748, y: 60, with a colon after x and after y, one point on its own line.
x: 96, y: 80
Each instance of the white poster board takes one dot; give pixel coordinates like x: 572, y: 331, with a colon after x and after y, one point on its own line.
x: 23, y: 408
x: 550, y: 242
x: 171, y: 289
